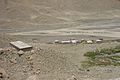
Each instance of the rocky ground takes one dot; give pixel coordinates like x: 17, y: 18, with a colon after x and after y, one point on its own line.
x: 53, y: 62
x: 18, y: 64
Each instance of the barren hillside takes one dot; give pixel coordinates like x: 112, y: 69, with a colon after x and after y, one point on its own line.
x: 42, y: 11
x: 54, y: 13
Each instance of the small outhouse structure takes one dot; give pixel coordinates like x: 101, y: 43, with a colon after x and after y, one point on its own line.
x: 20, y: 45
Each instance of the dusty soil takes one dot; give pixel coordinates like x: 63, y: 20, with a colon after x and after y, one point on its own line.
x: 38, y: 22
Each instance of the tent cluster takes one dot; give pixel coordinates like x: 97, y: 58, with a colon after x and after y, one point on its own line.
x: 75, y: 41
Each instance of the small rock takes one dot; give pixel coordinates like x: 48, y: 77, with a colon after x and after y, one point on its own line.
x: 31, y: 63
x: 1, y: 51
x: 3, y: 73
x: 14, y: 52
x: 32, y: 51
x: 88, y: 70
x: 20, y: 53
x: 13, y: 60
x: 37, y: 71
x: 39, y: 49
x: 29, y: 58
x: 72, y: 78
x: 24, y: 71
